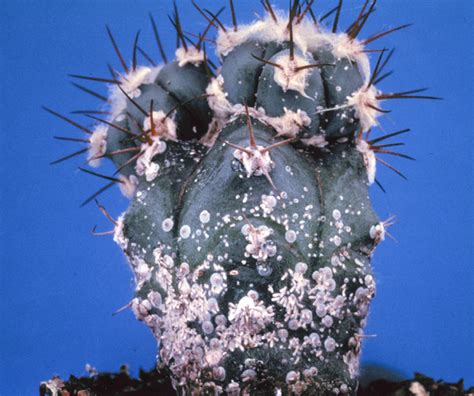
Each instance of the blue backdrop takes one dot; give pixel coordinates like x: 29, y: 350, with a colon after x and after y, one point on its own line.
x: 60, y: 285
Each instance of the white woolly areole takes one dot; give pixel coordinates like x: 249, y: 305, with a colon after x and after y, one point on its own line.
x: 288, y: 77
x: 306, y: 36
x: 119, y: 238
x: 54, y: 385
x: 191, y: 55
x: 145, y: 165
x: 257, y: 163
x: 130, y: 83
x: 98, y: 145
x: 289, y: 124
x: 377, y: 232
x: 369, y: 159
x: 362, y: 100
x: 344, y: 46
x: 418, y: 389
x: 128, y: 185
x: 217, y: 98
x: 165, y: 127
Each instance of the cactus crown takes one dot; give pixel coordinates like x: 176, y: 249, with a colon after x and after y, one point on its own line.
x: 250, y: 230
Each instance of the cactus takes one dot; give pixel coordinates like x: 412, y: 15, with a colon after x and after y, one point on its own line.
x: 250, y: 230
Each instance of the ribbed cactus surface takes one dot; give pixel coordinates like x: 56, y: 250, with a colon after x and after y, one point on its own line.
x: 250, y: 229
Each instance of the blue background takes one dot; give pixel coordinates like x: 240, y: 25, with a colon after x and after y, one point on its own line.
x: 60, y: 285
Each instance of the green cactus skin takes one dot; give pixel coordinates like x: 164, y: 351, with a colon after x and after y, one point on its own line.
x: 250, y: 229
x: 310, y: 286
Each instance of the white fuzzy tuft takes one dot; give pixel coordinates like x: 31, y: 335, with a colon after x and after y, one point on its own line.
x: 128, y: 185
x: 130, y: 83
x: 217, y: 98
x: 369, y: 159
x: 119, y: 237
x: 364, y: 100
x: 344, y: 46
x: 288, y: 77
x: 289, y: 124
x: 418, y: 389
x: 191, y: 55
x: 55, y: 385
x: 377, y: 232
x: 257, y: 163
x: 227, y: 41
x: 305, y: 35
x: 165, y: 127
x: 224, y: 111
x: 98, y: 145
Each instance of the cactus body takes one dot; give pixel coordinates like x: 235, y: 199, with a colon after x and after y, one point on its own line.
x: 250, y: 230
